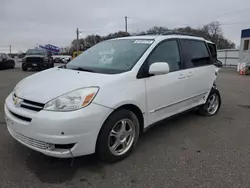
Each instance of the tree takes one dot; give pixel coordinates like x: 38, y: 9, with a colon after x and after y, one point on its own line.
x: 116, y: 35
x: 211, y: 31
x: 157, y: 30
x: 65, y: 50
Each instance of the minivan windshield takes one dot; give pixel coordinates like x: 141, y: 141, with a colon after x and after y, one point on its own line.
x: 36, y: 52
x: 111, y: 57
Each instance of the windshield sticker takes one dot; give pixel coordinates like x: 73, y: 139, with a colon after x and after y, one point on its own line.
x: 143, y: 41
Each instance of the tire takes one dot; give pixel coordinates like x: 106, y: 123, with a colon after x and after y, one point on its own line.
x: 205, y: 110
x: 113, y: 124
x: 24, y: 68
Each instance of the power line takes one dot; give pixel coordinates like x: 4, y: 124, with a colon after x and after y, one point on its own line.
x: 185, y: 24
x: 236, y: 23
x: 233, y: 12
x: 157, y: 22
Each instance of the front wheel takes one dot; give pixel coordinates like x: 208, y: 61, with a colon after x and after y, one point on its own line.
x: 118, y: 136
x: 24, y: 67
x: 212, y: 105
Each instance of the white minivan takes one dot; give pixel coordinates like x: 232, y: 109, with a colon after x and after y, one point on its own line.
x: 101, y: 101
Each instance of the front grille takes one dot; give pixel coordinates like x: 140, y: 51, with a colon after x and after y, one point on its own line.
x: 32, y: 142
x: 34, y: 59
x: 31, y: 105
x: 21, y: 117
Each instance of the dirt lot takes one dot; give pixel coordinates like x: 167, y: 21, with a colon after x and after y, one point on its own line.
x: 187, y: 151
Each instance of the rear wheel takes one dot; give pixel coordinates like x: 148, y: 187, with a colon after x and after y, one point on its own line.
x: 118, y: 136
x: 212, y: 105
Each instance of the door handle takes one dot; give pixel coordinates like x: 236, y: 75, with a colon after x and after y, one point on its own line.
x: 182, y: 76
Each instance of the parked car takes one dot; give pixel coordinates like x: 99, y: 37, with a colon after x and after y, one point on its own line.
x: 6, y: 61
x: 61, y: 58
x: 103, y: 106
x: 37, y: 58
x: 65, y: 60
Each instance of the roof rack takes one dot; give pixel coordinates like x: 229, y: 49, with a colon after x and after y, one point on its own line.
x: 177, y: 33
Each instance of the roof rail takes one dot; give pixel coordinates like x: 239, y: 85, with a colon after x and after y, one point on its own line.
x: 177, y: 33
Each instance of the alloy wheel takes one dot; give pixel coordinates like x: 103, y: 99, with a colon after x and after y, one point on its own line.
x: 213, y: 104
x: 121, y: 137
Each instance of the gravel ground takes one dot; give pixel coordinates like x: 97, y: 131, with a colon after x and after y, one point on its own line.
x: 187, y: 151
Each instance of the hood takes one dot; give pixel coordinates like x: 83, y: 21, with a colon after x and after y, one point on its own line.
x: 47, y: 85
x: 27, y: 56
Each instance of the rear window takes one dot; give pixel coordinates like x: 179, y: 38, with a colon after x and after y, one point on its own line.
x: 213, y: 50
x: 196, y: 53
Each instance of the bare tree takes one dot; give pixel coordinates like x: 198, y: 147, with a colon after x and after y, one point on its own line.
x: 213, y: 31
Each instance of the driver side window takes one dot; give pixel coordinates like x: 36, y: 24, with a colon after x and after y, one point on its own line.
x: 168, y: 52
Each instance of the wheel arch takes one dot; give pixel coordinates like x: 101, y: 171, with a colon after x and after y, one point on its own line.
x: 135, y: 109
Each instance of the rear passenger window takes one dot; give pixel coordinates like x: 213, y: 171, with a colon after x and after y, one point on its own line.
x: 213, y: 50
x: 196, y: 53
x: 168, y: 52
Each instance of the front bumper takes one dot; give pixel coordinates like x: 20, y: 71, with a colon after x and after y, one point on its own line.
x: 35, y: 64
x: 46, y: 129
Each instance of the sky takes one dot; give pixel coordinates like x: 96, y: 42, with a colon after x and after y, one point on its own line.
x: 26, y: 23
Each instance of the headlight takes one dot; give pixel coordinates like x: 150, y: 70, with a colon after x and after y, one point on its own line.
x: 73, y: 100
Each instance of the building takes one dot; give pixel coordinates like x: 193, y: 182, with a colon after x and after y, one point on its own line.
x: 244, y: 50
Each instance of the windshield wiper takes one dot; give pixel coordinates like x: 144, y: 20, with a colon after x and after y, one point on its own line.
x: 83, y: 69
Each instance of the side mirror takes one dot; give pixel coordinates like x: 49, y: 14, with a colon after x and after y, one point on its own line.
x: 159, y: 68
x: 218, y: 63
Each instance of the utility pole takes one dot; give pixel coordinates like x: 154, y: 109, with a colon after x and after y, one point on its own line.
x: 77, y: 40
x: 126, y: 24
x: 10, y: 49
